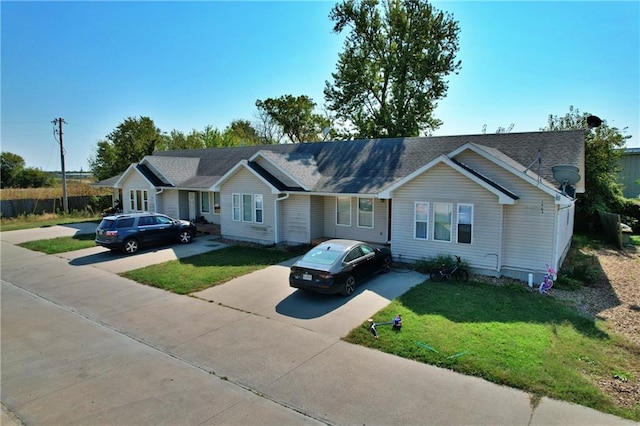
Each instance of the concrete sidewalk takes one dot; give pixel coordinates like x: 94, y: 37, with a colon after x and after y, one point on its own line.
x: 81, y: 345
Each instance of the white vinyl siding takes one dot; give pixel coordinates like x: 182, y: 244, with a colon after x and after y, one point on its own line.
x: 421, y: 220
x: 441, y: 184
x: 377, y: 234
x: 365, y: 212
x: 295, y: 221
x: 343, y: 211
x: 232, y: 195
x: 136, y: 182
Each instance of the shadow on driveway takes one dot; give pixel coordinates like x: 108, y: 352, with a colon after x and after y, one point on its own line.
x: 308, y: 305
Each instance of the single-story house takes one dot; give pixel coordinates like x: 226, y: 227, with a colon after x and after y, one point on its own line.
x: 491, y: 199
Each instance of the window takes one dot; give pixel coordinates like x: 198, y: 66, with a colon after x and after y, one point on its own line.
x: 353, y: 255
x: 442, y: 221
x: 138, y: 200
x: 465, y: 223
x: 259, y: 208
x: 247, y: 214
x: 365, y: 212
x: 216, y: 202
x: 343, y: 211
x: 205, y: 202
x: 235, y: 207
x: 421, y: 220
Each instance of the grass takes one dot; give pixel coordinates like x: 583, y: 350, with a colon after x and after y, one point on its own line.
x: 507, y: 335
x: 61, y: 244
x: 206, y: 270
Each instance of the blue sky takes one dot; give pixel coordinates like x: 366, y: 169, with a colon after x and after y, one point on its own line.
x: 191, y: 64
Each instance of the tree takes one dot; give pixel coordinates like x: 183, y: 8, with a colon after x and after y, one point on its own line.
x: 294, y: 114
x: 32, y: 177
x: 11, y: 167
x: 128, y: 143
x: 393, y: 68
x: 602, y: 153
x: 241, y: 132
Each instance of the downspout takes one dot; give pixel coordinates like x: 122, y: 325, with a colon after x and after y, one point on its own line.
x: 155, y: 200
x: 275, y: 213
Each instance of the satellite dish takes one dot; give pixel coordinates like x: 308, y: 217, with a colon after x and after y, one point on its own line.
x: 567, y: 176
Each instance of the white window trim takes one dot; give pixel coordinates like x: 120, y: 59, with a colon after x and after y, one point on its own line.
x: 236, y: 207
x: 256, y: 209
x: 373, y: 216
x: 203, y: 195
x: 433, y: 221
x: 133, y: 200
x: 350, y: 208
x: 415, y: 220
x: 458, y: 221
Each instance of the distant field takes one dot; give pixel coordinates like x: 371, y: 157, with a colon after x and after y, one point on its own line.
x: 74, y: 188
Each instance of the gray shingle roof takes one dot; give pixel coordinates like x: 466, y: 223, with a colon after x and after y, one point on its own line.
x: 368, y: 166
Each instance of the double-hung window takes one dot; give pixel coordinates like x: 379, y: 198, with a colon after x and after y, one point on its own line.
x: 247, y: 213
x: 259, y: 208
x: 442, y: 221
x: 421, y: 220
x: 343, y: 211
x: 465, y: 223
x: 235, y: 207
x: 365, y: 212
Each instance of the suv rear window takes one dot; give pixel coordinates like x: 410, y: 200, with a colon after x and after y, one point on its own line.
x: 125, y: 223
x: 106, y: 224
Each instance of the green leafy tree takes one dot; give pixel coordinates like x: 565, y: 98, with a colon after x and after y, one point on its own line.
x: 32, y: 177
x: 11, y: 166
x: 393, y: 69
x: 602, y: 153
x: 296, y: 117
x: 242, y: 132
x: 127, y: 144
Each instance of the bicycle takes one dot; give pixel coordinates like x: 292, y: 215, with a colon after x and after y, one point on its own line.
x: 456, y: 272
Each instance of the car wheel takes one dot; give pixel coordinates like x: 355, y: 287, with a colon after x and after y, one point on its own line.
x: 130, y: 246
x: 386, y: 265
x: 349, y: 286
x: 185, y: 237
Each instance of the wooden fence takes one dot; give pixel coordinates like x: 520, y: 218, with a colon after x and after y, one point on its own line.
x: 611, y: 227
x: 14, y: 208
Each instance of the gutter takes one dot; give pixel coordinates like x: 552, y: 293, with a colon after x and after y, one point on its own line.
x: 275, y: 213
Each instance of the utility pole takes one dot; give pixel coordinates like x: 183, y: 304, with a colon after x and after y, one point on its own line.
x: 65, y: 200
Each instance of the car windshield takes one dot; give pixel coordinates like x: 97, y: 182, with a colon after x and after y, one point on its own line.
x: 322, y: 257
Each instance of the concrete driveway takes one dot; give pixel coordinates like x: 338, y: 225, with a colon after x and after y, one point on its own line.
x: 267, y: 293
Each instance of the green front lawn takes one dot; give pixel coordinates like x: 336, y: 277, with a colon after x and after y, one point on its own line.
x: 507, y: 335
x: 61, y: 244
x: 206, y: 270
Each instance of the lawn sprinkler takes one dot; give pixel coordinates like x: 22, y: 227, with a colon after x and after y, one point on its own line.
x: 397, y: 324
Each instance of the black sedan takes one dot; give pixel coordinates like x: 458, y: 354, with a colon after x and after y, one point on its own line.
x: 336, y: 266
